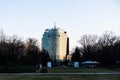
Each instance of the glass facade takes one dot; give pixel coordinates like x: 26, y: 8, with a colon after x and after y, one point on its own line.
x: 55, y: 42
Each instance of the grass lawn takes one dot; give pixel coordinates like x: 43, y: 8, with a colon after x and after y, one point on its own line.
x: 78, y: 70
x: 66, y: 77
x: 73, y: 77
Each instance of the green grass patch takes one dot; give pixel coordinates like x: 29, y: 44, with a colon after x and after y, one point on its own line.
x: 29, y: 78
x: 77, y: 70
x: 73, y: 77
x: 95, y: 77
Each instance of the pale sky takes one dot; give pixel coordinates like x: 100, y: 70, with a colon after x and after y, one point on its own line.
x: 29, y: 18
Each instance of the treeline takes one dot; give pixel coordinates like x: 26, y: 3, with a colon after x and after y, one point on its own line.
x: 15, y: 53
x: 105, y: 49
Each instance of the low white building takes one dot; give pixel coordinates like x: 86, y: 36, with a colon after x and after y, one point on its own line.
x: 90, y: 64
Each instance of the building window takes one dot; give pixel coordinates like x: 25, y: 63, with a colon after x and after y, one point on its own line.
x: 58, y: 35
x: 48, y: 35
x: 57, y: 56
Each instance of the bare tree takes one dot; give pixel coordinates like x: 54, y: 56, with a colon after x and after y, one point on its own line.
x: 107, y: 49
x: 2, y: 36
x: 88, y: 40
x: 32, y: 50
x: 107, y: 39
x: 88, y: 43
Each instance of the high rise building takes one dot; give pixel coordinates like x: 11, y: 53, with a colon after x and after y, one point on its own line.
x: 56, y: 43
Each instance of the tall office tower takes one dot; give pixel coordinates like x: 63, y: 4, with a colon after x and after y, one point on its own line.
x: 56, y: 43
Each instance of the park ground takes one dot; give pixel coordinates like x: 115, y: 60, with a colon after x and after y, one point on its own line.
x: 73, y: 77
x: 67, y: 77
